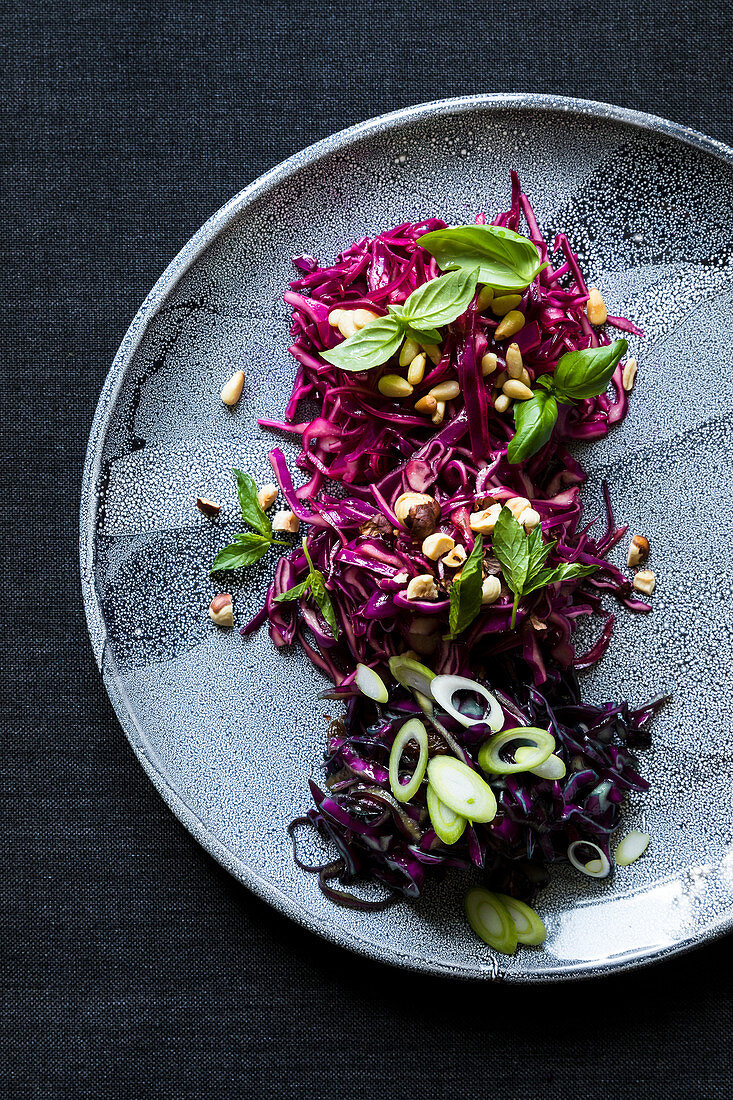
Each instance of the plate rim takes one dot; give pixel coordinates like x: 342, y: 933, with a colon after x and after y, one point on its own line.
x: 166, y: 283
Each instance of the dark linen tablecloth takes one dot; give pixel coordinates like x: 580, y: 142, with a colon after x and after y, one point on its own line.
x: 133, y: 966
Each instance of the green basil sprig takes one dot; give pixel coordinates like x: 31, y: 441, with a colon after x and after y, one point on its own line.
x: 435, y: 303
x: 522, y: 558
x: 465, y: 591
x: 316, y: 583
x: 504, y: 260
x: 248, y: 547
x: 578, y: 375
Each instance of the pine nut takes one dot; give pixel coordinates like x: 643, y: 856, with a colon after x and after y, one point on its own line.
x: 231, y: 391
x: 525, y: 377
x: 286, y: 521
x: 433, y: 352
x: 445, y: 391
x: 416, y: 370
x: 362, y: 317
x: 267, y: 495
x: 426, y: 404
x: 410, y: 348
x: 484, y: 299
x: 510, y: 324
x: 490, y: 590
x: 517, y: 390
x: 645, y: 582
x: 346, y: 324
x: 500, y: 379
x: 434, y: 546
x: 514, y: 364
x: 394, y: 385
x: 489, y: 363
x: 595, y: 307
x: 437, y: 417
x: 629, y: 376
x: 502, y: 403
x: 501, y: 306
x: 334, y: 317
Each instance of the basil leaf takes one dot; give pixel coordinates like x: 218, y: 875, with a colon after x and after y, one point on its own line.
x: 465, y: 592
x: 511, y: 549
x: 252, y: 513
x: 582, y: 374
x: 534, y: 421
x: 369, y: 347
x: 503, y: 259
x: 424, y: 335
x: 567, y: 571
x: 323, y: 600
x: 539, y: 551
x: 441, y: 300
x: 248, y: 549
x: 294, y: 593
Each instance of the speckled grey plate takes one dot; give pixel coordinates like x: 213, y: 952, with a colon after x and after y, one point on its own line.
x: 230, y: 730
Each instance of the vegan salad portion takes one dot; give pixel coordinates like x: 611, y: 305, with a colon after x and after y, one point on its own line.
x: 446, y: 563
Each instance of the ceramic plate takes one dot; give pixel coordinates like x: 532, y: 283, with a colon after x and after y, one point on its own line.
x: 230, y: 730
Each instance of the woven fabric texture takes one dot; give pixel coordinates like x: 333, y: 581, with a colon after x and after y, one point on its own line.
x: 133, y: 966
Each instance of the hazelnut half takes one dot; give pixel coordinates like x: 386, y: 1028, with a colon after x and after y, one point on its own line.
x: 221, y: 611
x: 208, y: 507
x: 638, y: 551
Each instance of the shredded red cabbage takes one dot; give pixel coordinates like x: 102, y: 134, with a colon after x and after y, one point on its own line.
x: 360, y: 453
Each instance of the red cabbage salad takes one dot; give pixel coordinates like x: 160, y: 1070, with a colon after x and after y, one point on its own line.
x: 444, y: 562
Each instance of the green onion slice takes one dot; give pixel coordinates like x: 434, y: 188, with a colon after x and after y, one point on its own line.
x: 553, y: 767
x: 491, y: 920
x: 542, y: 745
x: 530, y: 928
x: 443, y: 689
x: 448, y: 825
x: 413, y: 730
x: 461, y: 788
x: 630, y: 848
x: 595, y: 868
x: 371, y: 684
x: 411, y: 674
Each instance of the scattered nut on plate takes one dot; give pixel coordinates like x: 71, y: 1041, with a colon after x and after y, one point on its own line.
x: 266, y: 496
x: 231, y: 391
x: 221, y: 611
x: 208, y: 507
x: 638, y: 551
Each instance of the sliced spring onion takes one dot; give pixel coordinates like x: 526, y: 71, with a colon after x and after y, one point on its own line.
x: 443, y: 689
x: 413, y: 730
x: 491, y: 920
x: 371, y: 684
x: 461, y: 788
x: 425, y: 704
x: 542, y: 746
x: 631, y: 847
x: 595, y: 868
x: 552, y: 768
x: 530, y: 928
x: 411, y: 674
x: 448, y: 825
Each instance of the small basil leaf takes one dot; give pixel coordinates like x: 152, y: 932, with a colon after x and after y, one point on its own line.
x: 539, y: 551
x: 534, y: 421
x: 252, y: 513
x: 441, y: 300
x: 248, y: 549
x: 511, y: 550
x: 504, y: 260
x: 582, y: 374
x: 369, y: 347
x: 294, y: 593
x: 567, y: 571
x: 323, y: 600
x: 465, y: 592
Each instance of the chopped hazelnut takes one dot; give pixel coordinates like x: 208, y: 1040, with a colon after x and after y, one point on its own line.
x: 436, y: 545
x: 286, y: 521
x: 490, y: 590
x: 208, y: 507
x: 645, y: 581
x: 483, y: 522
x: 409, y: 500
x: 455, y: 557
x: 220, y: 610
x: 421, y: 520
x: 638, y: 551
x: 267, y: 496
x: 422, y: 587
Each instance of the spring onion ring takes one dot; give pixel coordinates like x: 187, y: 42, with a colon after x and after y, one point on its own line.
x: 448, y: 825
x: 491, y: 920
x: 542, y: 746
x: 443, y: 689
x: 413, y: 730
x: 411, y: 674
x: 631, y: 847
x: 530, y: 929
x: 552, y: 768
x: 371, y: 684
x: 462, y: 789
x: 595, y: 868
